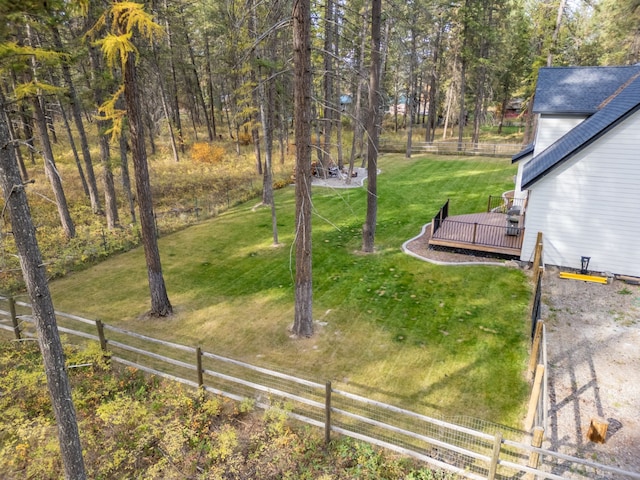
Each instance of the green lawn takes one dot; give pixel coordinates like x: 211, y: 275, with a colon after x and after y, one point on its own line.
x: 434, y: 339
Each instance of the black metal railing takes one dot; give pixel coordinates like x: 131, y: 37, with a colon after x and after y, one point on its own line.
x: 480, y: 234
x: 442, y: 214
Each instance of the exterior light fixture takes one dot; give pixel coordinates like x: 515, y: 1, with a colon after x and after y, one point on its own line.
x: 584, y: 261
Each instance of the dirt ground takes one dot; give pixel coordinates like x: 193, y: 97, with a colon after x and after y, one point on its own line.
x: 593, y: 345
x: 593, y: 348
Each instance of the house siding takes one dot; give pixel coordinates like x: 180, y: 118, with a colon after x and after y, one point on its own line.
x: 551, y: 128
x: 588, y: 206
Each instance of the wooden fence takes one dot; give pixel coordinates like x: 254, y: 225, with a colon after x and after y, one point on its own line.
x: 489, y: 452
x: 536, y: 420
x: 453, y: 148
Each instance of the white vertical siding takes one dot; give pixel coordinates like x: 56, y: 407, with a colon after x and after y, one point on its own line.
x: 551, y: 128
x: 590, y: 206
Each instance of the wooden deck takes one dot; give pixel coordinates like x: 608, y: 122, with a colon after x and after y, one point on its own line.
x: 485, y: 232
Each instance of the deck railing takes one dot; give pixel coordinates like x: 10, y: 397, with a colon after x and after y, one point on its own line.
x: 442, y: 214
x: 480, y: 234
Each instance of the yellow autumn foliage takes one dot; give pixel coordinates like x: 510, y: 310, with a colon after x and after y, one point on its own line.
x: 207, y: 153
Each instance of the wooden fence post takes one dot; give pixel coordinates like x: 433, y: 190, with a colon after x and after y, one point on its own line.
x: 535, y: 349
x: 495, y: 457
x: 327, y: 413
x: 534, y: 457
x: 103, y: 340
x: 535, y: 395
x: 199, y: 366
x: 14, y: 318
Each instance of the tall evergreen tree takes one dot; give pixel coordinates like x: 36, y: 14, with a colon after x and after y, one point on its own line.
x: 369, y: 227
x: 35, y: 278
x: 125, y: 19
x: 303, y: 321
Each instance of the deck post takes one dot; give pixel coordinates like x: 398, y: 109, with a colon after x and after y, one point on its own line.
x: 327, y: 413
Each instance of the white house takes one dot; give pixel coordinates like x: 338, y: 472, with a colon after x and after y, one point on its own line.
x: 582, y: 173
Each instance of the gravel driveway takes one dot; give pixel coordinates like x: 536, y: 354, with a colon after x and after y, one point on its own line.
x: 593, y: 347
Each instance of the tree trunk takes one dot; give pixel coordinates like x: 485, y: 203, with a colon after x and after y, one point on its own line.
x: 266, y: 112
x: 556, y: 32
x: 338, y: 94
x: 212, y: 103
x: 434, y: 88
x: 12, y: 138
x: 52, y: 172
x: 35, y: 279
x: 27, y: 130
x: 481, y: 78
x: 111, y: 207
x: 198, y: 88
x: 126, y: 180
x: 110, y: 202
x: 165, y: 108
x: 160, y: 305
x: 74, y: 150
x: 49, y: 120
x: 329, y: 100
x: 357, y: 114
x: 174, y: 87
x: 412, y: 93
x: 303, y: 321
x: 462, y: 114
x: 369, y: 227
x: 150, y: 128
x: 76, y: 113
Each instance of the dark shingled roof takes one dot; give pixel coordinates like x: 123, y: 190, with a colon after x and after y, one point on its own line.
x: 578, y: 90
x: 612, y: 111
x: 527, y: 150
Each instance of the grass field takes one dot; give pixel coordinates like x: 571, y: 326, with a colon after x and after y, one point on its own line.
x: 438, y: 340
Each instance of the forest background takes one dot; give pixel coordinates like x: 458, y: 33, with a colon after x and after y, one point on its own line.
x: 218, y: 74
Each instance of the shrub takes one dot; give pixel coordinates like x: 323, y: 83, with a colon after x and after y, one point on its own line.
x: 244, y: 137
x: 207, y: 153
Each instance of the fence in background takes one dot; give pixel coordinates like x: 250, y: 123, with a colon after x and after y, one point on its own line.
x: 468, y: 448
x: 453, y: 148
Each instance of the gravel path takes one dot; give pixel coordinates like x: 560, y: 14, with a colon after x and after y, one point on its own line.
x: 594, y: 367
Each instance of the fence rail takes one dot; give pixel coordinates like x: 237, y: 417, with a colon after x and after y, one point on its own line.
x: 474, y: 450
x: 453, y: 148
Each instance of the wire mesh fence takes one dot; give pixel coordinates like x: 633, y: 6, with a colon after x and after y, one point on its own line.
x: 463, y: 446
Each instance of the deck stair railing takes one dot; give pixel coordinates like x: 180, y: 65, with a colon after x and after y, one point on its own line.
x: 439, y: 218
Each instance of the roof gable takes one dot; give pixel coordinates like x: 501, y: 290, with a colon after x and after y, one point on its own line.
x: 578, y: 90
x: 613, y: 111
